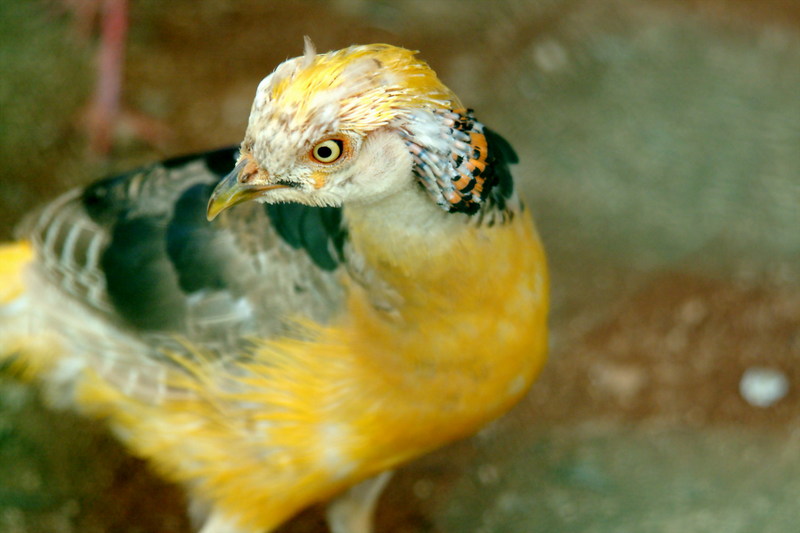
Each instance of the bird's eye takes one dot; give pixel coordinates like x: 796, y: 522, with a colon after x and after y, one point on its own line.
x: 328, y: 151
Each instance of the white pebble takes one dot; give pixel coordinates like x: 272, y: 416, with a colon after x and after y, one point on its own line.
x: 762, y: 387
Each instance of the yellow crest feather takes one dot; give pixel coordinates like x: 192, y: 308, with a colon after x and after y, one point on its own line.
x: 372, y: 84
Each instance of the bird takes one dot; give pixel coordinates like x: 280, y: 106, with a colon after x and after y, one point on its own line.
x: 283, y: 323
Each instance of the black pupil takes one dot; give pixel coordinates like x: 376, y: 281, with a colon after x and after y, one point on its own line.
x: 324, y: 152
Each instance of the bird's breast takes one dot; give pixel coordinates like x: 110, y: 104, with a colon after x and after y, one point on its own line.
x: 468, y: 339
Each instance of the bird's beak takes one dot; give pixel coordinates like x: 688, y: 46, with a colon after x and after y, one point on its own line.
x: 231, y: 191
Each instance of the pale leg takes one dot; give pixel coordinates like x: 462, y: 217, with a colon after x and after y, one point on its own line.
x: 353, y: 510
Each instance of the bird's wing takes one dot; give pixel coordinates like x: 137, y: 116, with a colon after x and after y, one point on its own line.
x: 138, y: 254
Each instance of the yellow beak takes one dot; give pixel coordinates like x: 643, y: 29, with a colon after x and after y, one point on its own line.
x: 231, y: 191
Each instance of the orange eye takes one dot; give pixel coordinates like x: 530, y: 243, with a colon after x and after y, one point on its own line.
x: 328, y: 151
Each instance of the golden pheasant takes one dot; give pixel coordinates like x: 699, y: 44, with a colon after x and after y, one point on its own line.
x: 386, y: 293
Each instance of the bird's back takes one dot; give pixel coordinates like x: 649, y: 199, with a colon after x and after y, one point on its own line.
x: 127, y: 272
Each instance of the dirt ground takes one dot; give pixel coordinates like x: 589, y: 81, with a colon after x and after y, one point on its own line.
x: 658, y: 145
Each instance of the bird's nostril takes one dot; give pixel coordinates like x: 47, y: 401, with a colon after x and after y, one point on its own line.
x: 245, y: 178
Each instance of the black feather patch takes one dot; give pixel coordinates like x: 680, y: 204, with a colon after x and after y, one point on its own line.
x: 156, y: 257
x: 190, y: 244
x: 318, y: 230
x: 501, y: 155
x: 140, y: 279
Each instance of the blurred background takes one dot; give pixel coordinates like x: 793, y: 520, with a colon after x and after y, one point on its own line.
x: 660, y: 153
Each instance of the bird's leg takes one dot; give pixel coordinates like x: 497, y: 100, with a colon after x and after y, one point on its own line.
x: 219, y: 523
x: 353, y: 510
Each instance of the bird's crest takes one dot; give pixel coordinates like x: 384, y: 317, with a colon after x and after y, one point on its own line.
x: 360, y: 88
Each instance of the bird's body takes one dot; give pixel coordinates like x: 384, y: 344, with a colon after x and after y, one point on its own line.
x: 285, y: 352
